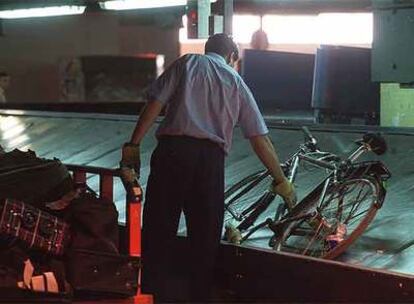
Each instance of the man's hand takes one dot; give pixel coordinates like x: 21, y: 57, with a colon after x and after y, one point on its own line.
x: 286, y: 190
x: 131, y: 157
x: 128, y: 175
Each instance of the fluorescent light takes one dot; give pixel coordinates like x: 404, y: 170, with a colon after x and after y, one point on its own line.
x: 42, y: 12
x: 137, y: 4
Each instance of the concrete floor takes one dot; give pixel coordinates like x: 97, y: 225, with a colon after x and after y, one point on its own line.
x: 95, y: 140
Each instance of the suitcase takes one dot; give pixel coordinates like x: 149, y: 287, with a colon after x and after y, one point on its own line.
x: 96, y: 274
x: 33, y: 228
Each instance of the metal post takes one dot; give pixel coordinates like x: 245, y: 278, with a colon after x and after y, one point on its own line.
x: 204, y: 10
x: 228, y: 16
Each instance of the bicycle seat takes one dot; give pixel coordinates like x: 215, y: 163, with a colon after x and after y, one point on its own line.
x: 376, y: 142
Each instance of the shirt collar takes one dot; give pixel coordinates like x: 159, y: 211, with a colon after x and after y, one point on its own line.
x: 216, y: 57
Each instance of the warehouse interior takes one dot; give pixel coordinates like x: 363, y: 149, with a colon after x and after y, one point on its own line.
x: 76, y: 74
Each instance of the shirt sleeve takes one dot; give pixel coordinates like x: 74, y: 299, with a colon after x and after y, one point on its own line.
x: 164, y: 87
x: 250, y: 119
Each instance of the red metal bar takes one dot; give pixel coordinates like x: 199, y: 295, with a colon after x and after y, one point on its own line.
x: 133, y: 222
x: 134, y: 203
x: 106, y: 186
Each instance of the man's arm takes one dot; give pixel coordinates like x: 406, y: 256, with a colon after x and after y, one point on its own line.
x: 130, y: 151
x: 264, y: 149
x: 158, y: 94
x: 145, y: 121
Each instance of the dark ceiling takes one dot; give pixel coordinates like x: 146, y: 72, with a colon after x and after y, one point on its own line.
x: 240, y: 6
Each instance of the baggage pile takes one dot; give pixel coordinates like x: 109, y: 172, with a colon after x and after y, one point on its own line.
x: 58, y: 239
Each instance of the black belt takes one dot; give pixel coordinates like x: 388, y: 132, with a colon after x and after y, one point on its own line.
x: 187, y: 139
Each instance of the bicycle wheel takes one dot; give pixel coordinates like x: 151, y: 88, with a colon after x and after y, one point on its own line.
x: 242, y: 197
x: 349, y: 205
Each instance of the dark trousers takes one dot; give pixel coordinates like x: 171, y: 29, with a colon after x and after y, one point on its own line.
x: 187, y: 174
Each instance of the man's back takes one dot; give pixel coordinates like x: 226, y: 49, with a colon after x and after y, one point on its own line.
x: 205, y: 99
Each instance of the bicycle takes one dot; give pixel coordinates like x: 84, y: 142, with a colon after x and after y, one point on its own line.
x: 329, y: 218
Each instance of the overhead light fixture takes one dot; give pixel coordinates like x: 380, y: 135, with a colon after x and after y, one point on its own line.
x: 139, y: 4
x: 42, y: 12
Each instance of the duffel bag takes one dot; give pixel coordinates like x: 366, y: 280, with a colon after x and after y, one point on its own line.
x: 28, y: 178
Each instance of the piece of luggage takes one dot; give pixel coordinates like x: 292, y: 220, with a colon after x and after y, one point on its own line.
x: 67, y: 233
x: 94, y: 266
x: 99, y: 274
x: 33, y: 228
x: 28, y: 178
x: 94, y: 223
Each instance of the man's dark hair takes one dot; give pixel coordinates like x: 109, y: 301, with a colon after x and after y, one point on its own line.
x: 3, y: 74
x: 221, y: 44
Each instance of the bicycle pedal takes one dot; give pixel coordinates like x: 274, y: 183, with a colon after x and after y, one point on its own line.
x: 272, y: 241
x: 232, y: 235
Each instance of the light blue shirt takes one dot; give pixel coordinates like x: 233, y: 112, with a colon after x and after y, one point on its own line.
x: 206, y: 98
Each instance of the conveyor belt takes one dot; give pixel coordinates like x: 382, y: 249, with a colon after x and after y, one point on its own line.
x: 96, y: 139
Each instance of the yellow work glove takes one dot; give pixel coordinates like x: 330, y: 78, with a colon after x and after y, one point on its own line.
x: 128, y: 175
x: 131, y: 157
x: 286, y: 190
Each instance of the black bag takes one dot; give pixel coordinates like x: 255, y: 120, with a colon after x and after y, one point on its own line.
x: 95, y: 274
x: 94, y: 223
x: 28, y: 178
x: 94, y: 266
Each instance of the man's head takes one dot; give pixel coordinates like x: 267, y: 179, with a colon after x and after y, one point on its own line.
x: 223, y: 45
x: 4, y: 80
x: 259, y: 40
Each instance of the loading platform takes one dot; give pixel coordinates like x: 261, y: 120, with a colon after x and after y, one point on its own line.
x: 379, y: 267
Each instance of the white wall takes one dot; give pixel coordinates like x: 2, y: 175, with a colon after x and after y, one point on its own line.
x: 30, y: 49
